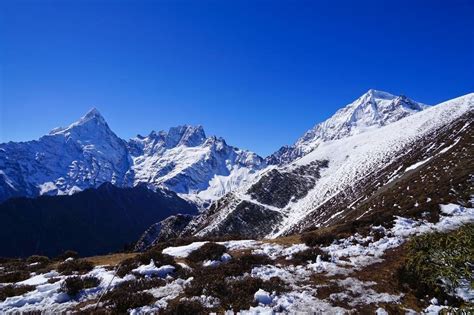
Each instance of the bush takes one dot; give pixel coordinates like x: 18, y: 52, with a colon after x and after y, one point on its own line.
x: 53, y: 280
x: 233, y: 268
x: 73, y: 285
x: 434, y: 257
x: 10, y: 290
x: 38, y: 264
x: 6, y: 260
x: 208, y: 251
x: 185, y: 307
x: 122, y: 299
x: 247, y: 262
x: 159, y: 258
x: 313, y: 239
x: 241, y: 293
x: 14, y: 276
x: 80, y: 266
x: 141, y: 284
x: 275, y: 284
x: 67, y: 254
x: 42, y: 260
x: 309, y: 254
x: 90, y: 282
x: 236, y: 293
x: 126, y: 267
x: 9, y: 265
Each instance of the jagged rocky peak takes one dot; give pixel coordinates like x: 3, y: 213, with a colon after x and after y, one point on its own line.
x: 84, y: 154
x: 155, y: 142
x: 373, y: 109
x: 186, y: 161
x: 91, y: 119
x: 92, y: 114
x: 186, y: 135
x: 91, y: 130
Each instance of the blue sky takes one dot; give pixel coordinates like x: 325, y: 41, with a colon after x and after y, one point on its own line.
x: 258, y: 73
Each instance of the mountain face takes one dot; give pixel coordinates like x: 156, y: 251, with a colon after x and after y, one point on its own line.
x: 87, y: 154
x: 166, y: 229
x: 371, y: 110
x: 187, y: 162
x: 94, y: 221
x: 327, y: 185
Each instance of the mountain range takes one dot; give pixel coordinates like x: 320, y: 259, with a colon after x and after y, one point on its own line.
x: 326, y: 176
x: 88, y: 153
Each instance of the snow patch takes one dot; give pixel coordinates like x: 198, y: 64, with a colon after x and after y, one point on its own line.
x: 151, y: 270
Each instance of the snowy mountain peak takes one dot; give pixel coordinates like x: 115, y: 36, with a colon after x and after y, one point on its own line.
x: 186, y: 161
x: 372, y: 109
x: 377, y: 94
x: 186, y: 135
x: 90, y: 121
x: 92, y: 114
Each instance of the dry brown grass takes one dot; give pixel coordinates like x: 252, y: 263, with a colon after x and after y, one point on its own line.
x: 111, y: 260
x: 286, y: 240
x: 385, y: 275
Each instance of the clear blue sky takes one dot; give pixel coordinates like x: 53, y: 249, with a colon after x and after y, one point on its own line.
x: 258, y: 73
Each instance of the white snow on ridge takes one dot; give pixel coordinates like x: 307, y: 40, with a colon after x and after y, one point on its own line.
x: 271, y: 250
x: 151, y: 269
x: 418, y: 164
x: 355, y: 157
x: 372, y: 110
x: 182, y: 251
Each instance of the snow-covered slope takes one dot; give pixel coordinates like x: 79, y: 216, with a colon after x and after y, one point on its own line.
x: 371, y: 110
x: 87, y: 154
x: 338, y: 167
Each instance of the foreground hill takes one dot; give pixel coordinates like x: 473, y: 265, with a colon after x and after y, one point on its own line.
x: 406, y: 265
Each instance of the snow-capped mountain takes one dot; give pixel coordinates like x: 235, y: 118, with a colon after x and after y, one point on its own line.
x: 323, y: 186
x: 187, y: 162
x: 371, y: 110
x: 87, y: 153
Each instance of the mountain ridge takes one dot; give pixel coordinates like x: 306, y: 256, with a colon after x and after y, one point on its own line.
x: 183, y: 159
x: 88, y: 153
x: 373, y: 109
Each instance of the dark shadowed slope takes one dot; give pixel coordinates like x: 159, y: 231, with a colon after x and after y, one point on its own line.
x: 94, y: 221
